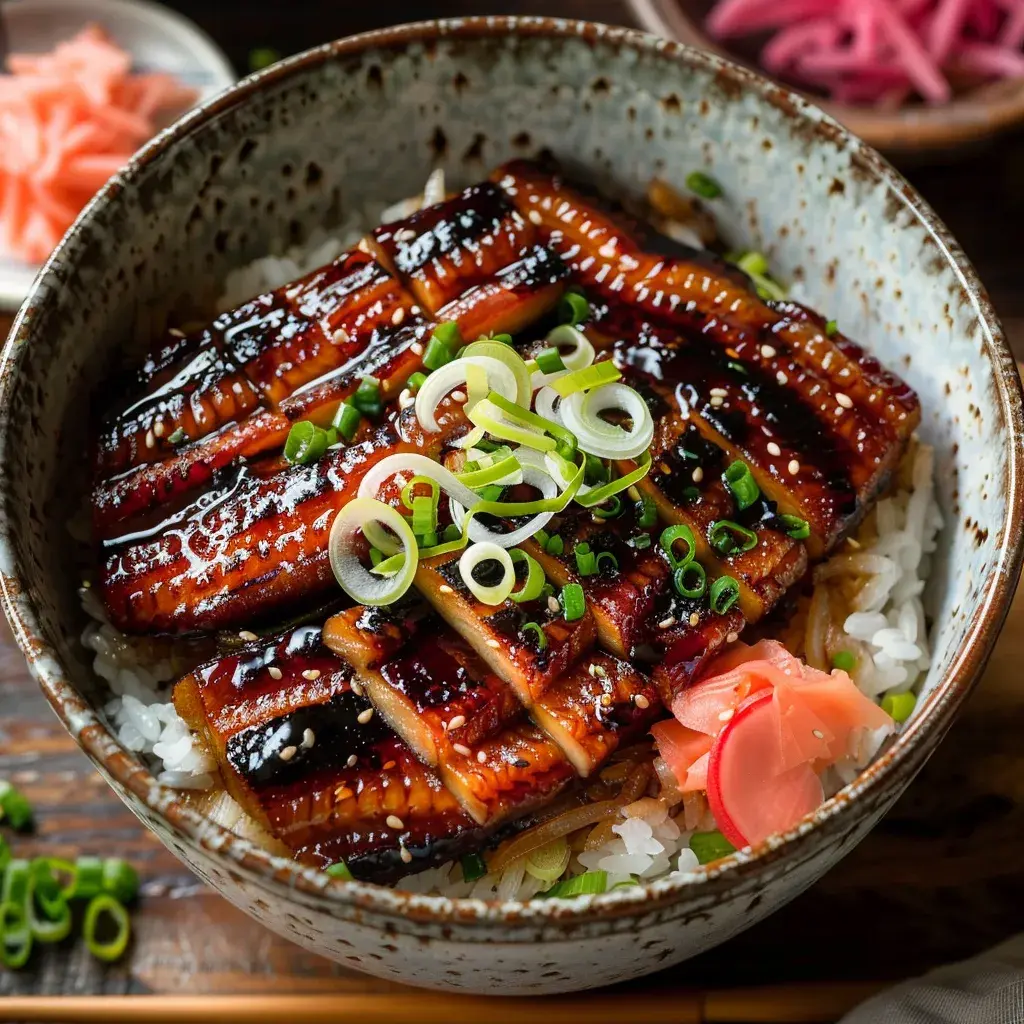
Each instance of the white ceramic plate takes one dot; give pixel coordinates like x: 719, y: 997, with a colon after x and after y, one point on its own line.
x: 159, y: 40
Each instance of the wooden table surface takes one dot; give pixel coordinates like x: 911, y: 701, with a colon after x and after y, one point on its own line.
x: 939, y: 879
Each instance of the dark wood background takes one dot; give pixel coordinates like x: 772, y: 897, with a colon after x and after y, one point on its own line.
x: 939, y: 879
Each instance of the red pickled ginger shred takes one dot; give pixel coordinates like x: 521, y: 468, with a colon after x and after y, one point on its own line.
x: 881, y: 52
x: 69, y: 119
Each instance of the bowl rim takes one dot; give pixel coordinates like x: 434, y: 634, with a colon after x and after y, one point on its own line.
x: 288, y: 879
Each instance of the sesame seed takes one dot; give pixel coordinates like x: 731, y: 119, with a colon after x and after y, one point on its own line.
x: 393, y: 821
x: 175, y: 333
x: 405, y: 855
x: 717, y: 401
x: 731, y: 638
x: 553, y: 605
x: 598, y: 671
x: 535, y: 217
x: 458, y: 396
x: 363, y: 246
x: 398, y: 316
x: 844, y: 400
x: 606, y: 700
x: 405, y: 398
x: 493, y: 643
x: 445, y: 589
x: 641, y: 701
x: 237, y: 387
x: 416, y: 348
x: 274, y: 672
x: 697, y: 475
x: 288, y: 753
x: 793, y: 467
x: 694, y: 618
x: 405, y: 235
x: 150, y: 439
x: 340, y: 336
x: 247, y: 636
x: 667, y: 623
x: 481, y: 757
x: 308, y: 738
x: 774, y: 449
x: 364, y: 716
x: 719, y: 392
x: 158, y: 428
x: 457, y: 722
x: 343, y: 793
x: 817, y: 734
x: 311, y: 674
x: 724, y: 716
x: 461, y: 748
x: 768, y: 352
x: 352, y: 761
x: 357, y: 687
x: 609, y: 249
x: 781, y: 378
x: 853, y: 543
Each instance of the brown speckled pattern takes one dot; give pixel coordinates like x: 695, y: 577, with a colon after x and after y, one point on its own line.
x: 359, y: 123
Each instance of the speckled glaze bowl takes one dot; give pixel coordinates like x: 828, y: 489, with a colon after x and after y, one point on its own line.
x: 359, y: 123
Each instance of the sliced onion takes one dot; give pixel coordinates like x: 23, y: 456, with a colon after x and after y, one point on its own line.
x: 434, y: 389
x: 579, y: 413
x: 354, y: 578
x: 512, y: 360
x: 546, y: 403
x: 487, y: 552
x: 580, y: 354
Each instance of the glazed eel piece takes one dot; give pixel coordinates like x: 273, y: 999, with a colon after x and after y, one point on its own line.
x: 843, y: 421
x: 243, y: 554
x: 302, y: 750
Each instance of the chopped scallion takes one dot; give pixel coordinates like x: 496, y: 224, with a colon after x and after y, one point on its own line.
x: 605, y: 559
x: 367, y: 398
x: 646, y: 512
x: 306, y: 443
x: 100, y: 907
x: 538, y: 631
x: 586, y: 560
x: 176, y: 436
x: 15, y: 935
x: 742, y: 484
x: 690, y: 580
x: 611, y: 509
x: 473, y: 867
x: 339, y: 870
x: 673, y: 535
x: 574, y: 309
x: 725, y: 592
x: 641, y: 542
x: 729, y: 538
x: 574, y: 604
x: 831, y: 329
x: 416, y: 381
x: 703, y: 185
x: 549, y: 361
x: 555, y: 546
x: 14, y: 808
x: 900, y: 706
x: 845, y: 661
x: 588, y: 884
x: 535, y: 578
x: 346, y: 420
x: 793, y: 526
x: 710, y: 846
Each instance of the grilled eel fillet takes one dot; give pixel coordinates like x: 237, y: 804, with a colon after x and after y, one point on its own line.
x: 700, y: 333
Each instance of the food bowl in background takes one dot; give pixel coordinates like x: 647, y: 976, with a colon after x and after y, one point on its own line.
x: 907, y: 134
x: 356, y: 124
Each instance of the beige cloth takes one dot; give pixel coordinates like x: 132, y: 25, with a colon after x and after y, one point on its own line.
x: 988, y: 989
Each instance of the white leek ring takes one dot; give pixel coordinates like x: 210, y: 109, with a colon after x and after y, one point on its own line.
x: 444, y: 379
x: 512, y: 360
x: 580, y: 414
x: 574, y: 348
x: 355, y: 579
x: 475, y: 555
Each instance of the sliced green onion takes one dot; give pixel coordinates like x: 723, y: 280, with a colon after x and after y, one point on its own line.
x: 17, y: 883
x: 831, y: 329
x: 429, y: 540
x: 376, y: 557
x: 492, y: 492
x: 606, y: 558
x: 690, y: 580
x: 899, y: 706
x: 438, y: 354
x: 753, y: 263
x: 710, y: 846
x: 610, y: 509
x: 599, y: 495
x: 538, y: 632
x: 691, y: 493
x: 505, y: 339
x: 120, y: 879
x: 346, y: 420
x: 367, y: 398
x: 416, y: 381
x: 5, y: 855
x: 586, y: 560
x: 737, y: 367
x: 548, y: 864
x: 15, y: 935
x: 49, y: 889
x: 533, y: 585
x: 476, y: 555
x: 176, y: 436
x: 703, y: 185
x: 88, y: 878
x: 306, y: 443
x: 48, y: 896
x: 555, y: 546
x: 451, y: 533
x: 573, y: 602
x: 646, y: 513
x: 541, y: 537
x: 594, y: 376
x: 424, y: 516
x: 473, y: 867
x: 642, y: 542
x: 595, y: 471
x: 339, y: 869
x: 14, y: 808
x: 573, y: 309
x: 741, y: 482
x: 409, y: 490
x: 549, y: 360
x: 673, y: 535
x: 363, y: 586
x: 793, y: 526
x: 99, y: 907
x: 845, y: 661
x: 590, y: 883
x: 729, y: 538
x: 725, y: 592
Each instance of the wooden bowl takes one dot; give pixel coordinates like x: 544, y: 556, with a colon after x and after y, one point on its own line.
x: 912, y: 131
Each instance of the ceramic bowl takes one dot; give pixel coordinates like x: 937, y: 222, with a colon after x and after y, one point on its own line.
x: 909, y: 133
x: 360, y: 122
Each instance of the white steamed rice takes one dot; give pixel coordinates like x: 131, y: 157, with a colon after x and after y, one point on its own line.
x: 885, y: 628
